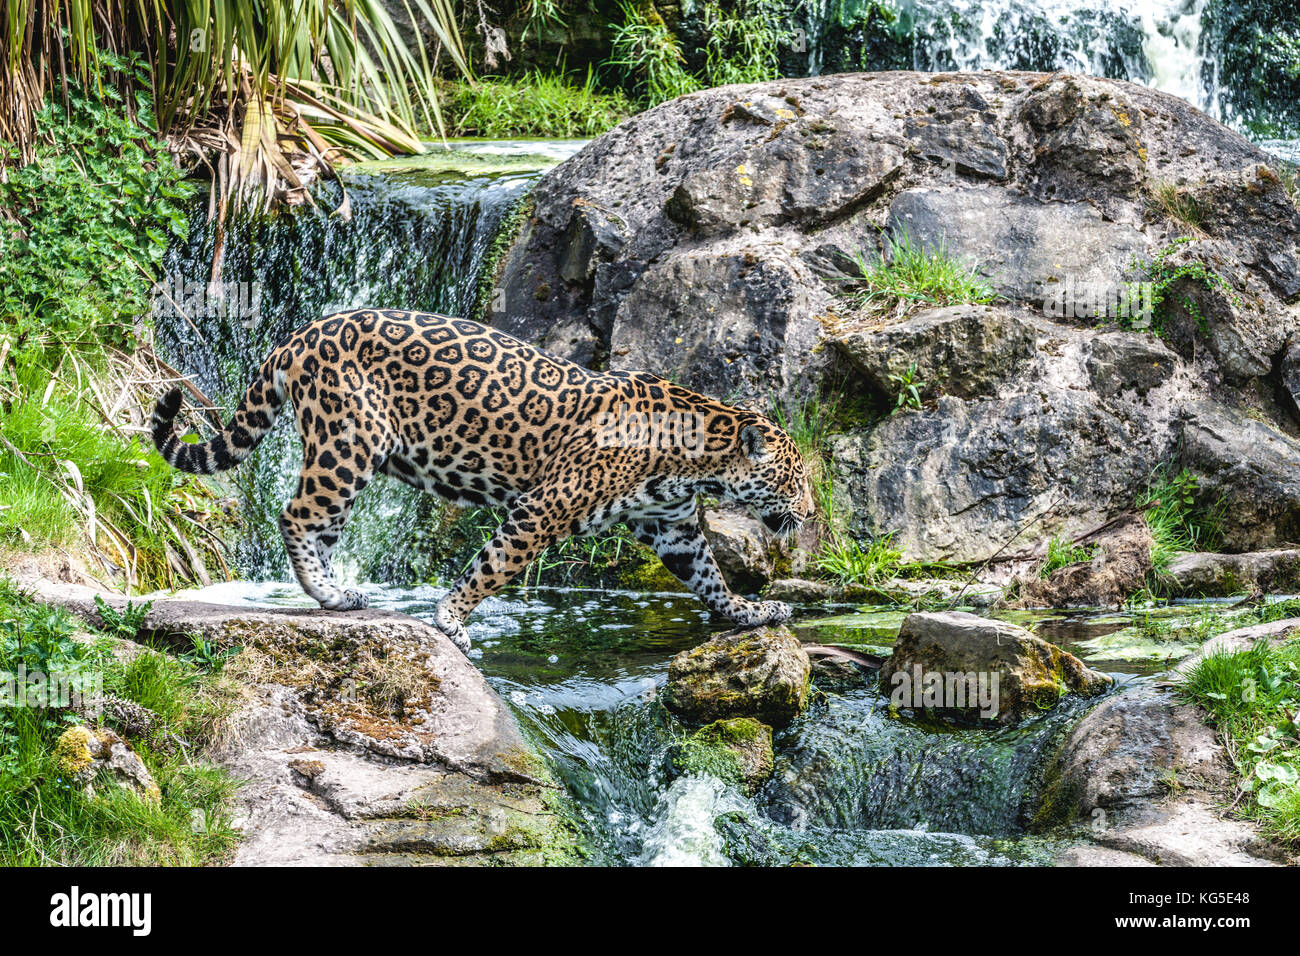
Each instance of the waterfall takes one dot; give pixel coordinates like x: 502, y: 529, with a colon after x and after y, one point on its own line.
x: 419, y: 232
x: 1156, y: 42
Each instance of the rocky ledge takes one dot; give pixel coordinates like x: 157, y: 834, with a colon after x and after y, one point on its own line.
x: 368, y: 738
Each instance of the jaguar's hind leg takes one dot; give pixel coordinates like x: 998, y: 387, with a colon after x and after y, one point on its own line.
x: 534, y: 522
x: 311, y: 523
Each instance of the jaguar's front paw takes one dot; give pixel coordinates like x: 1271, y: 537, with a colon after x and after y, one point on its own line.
x: 348, y: 600
x: 451, y: 626
x: 760, y: 613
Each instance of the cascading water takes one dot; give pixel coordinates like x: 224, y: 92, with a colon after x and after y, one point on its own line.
x: 1157, y: 42
x: 417, y: 238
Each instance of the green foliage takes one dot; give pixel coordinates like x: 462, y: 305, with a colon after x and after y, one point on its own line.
x: 84, y: 227
x: 125, y: 623
x: 649, y: 55
x: 536, y: 104
x: 744, y: 41
x: 82, y: 231
x: 1253, y: 698
x: 1062, y: 553
x: 46, y: 819
x: 1177, y: 523
x: 1165, y: 278
x: 909, y: 388
x: 908, y: 275
x: 845, y: 559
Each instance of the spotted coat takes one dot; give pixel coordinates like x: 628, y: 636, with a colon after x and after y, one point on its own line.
x: 479, y: 418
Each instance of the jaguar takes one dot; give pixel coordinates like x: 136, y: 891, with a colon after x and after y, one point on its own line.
x: 479, y: 418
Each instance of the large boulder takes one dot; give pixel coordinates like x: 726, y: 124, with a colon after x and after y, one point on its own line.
x: 760, y: 672
x: 742, y: 547
x: 710, y: 240
x: 966, y: 669
x: 1118, y: 569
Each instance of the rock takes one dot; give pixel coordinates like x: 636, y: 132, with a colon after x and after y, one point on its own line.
x: 760, y: 672
x: 373, y: 741
x: 1123, y: 361
x: 1192, y: 833
x: 963, y: 139
x: 1003, y: 672
x: 838, y: 674
x: 737, y: 751
x: 1253, y: 467
x: 760, y: 304
x: 708, y: 239
x: 1203, y: 574
x: 1119, y: 758
x: 799, y: 591
x: 1241, y: 639
x: 741, y: 546
x: 1032, y: 252
x: 964, y: 350
x: 810, y: 177
x: 954, y: 482
x: 1119, y: 569
x: 95, y: 757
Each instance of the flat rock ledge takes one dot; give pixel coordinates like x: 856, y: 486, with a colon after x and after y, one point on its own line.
x: 1151, y: 779
x: 368, y: 739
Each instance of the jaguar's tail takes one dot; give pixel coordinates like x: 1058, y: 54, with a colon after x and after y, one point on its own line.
x: 252, y: 420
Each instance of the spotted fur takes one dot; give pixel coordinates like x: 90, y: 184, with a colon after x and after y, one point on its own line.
x: 479, y: 418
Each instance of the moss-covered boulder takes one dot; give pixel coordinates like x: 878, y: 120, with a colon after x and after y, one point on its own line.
x: 737, y: 751
x: 964, y: 668
x: 759, y: 672
x: 97, y: 757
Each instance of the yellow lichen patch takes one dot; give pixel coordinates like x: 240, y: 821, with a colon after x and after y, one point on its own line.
x: 743, y: 173
x: 785, y: 114
x: 72, y: 751
x: 1122, y: 116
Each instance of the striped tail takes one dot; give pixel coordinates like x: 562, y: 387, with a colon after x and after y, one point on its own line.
x: 252, y: 420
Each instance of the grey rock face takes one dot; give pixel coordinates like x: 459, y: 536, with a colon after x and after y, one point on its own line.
x: 741, y: 546
x: 966, y: 350
x: 1223, y: 575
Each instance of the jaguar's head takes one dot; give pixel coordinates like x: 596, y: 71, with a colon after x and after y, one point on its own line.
x: 771, y: 477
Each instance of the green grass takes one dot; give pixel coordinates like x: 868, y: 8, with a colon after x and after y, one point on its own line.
x: 1177, y: 523
x: 909, y: 275
x: 534, y: 105
x: 648, y: 56
x: 1180, y: 206
x: 82, y: 230
x: 845, y: 559
x: 1253, y: 699
x: 45, y: 819
x: 1062, y: 553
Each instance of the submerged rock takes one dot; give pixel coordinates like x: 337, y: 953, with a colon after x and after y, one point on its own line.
x: 737, y: 751
x: 761, y: 672
x: 965, y: 668
x: 98, y: 756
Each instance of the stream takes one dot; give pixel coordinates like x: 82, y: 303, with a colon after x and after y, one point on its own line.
x: 581, y: 669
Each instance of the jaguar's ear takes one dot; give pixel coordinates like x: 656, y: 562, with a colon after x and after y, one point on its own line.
x: 752, y: 443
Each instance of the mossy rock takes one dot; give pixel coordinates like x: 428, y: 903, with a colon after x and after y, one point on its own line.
x: 760, y: 672
x: 737, y: 751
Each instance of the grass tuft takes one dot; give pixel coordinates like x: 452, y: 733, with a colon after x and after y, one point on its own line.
x: 910, y: 275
